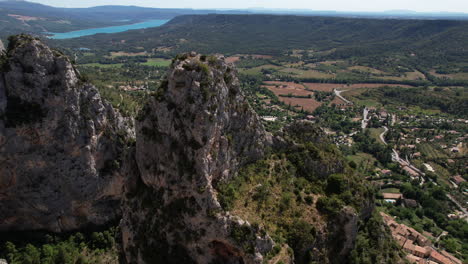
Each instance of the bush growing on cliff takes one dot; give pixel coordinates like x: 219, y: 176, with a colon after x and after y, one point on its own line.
x: 329, y: 205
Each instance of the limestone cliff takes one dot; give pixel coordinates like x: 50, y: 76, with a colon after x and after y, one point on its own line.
x: 194, y: 132
x: 60, y: 143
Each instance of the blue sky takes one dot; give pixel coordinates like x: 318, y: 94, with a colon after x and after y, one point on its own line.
x: 339, y: 5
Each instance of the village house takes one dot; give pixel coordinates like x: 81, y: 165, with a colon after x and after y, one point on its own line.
x: 395, y: 196
x: 451, y: 257
x: 413, y: 259
x: 392, y: 197
x: 439, y: 258
x: 270, y: 118
x: 383, y: 114
x: 456, y: 215
x: 417, y: 246
x: 414, y: 249
x: 410, y: 172
x: 386, y: 172
x: 428, y: 167
x: 458, y: 179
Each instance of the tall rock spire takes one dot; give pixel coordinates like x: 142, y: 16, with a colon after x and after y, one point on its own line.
x: 194, y: 132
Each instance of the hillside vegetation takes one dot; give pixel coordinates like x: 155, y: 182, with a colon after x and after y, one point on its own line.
x: 426, y: 42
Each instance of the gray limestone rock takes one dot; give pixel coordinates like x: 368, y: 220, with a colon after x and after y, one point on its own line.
x: 60, y: 144
x: 193, y: 133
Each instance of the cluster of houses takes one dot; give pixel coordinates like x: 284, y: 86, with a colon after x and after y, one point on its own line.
x: 378, y: 114
x: 418, y: 247
x: 343, y: 140
x: 452, y: 141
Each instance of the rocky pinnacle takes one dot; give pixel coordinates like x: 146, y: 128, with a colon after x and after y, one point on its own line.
x: 193, y: 133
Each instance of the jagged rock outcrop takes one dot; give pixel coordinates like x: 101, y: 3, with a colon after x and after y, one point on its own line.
x: 60, y: 144
x: 2, y: 47
x: 193, y: 133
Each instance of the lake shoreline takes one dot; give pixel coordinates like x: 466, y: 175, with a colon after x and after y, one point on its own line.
x: 106, y: 30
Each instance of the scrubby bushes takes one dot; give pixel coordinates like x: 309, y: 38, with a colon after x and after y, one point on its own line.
x: 74, y: 249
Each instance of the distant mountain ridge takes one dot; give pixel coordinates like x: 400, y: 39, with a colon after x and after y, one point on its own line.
x: 37, y: 18
x: 272, y: 34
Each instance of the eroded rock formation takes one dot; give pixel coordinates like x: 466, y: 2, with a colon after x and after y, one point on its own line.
x: 196, y: 131
x: 60, y: 144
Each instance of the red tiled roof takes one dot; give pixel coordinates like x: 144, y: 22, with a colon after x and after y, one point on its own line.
x: 451, y: 257
x: 437, y: 257
x: 392, y: 195
x: 458, y: 179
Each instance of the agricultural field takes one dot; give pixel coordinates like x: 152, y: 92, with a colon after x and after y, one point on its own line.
x: 101, y: 65
x: 157, y: 62
x: 337, y: 101
x: 328, y: 87
x: 305, y: 73
x: 285, y: 85
x: 232, y: 59
x: 289, y: 91
x: 127, y: 54
x: 366, y: 69
x: 412, y: 76
x: 454, y: 76
x: 307, y: 104
x: 257, y: 71
x: 293, y: 94
x: 431, y: 152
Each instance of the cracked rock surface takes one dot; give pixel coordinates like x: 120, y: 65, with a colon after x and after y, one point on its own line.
x: 61, y: 144
x: 196, y: 131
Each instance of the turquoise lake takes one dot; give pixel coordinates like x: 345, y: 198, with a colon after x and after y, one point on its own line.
x: 114, y: 29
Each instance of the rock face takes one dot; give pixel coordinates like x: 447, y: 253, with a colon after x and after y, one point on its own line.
x: 60, y: 144
x: 2, y: 47
x: 196, y: 131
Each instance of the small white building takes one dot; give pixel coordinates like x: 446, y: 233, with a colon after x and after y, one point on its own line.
x: 270, y: 118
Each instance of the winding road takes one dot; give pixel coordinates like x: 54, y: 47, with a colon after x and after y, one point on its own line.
x: 365, y: 120
x: 382, y: 135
